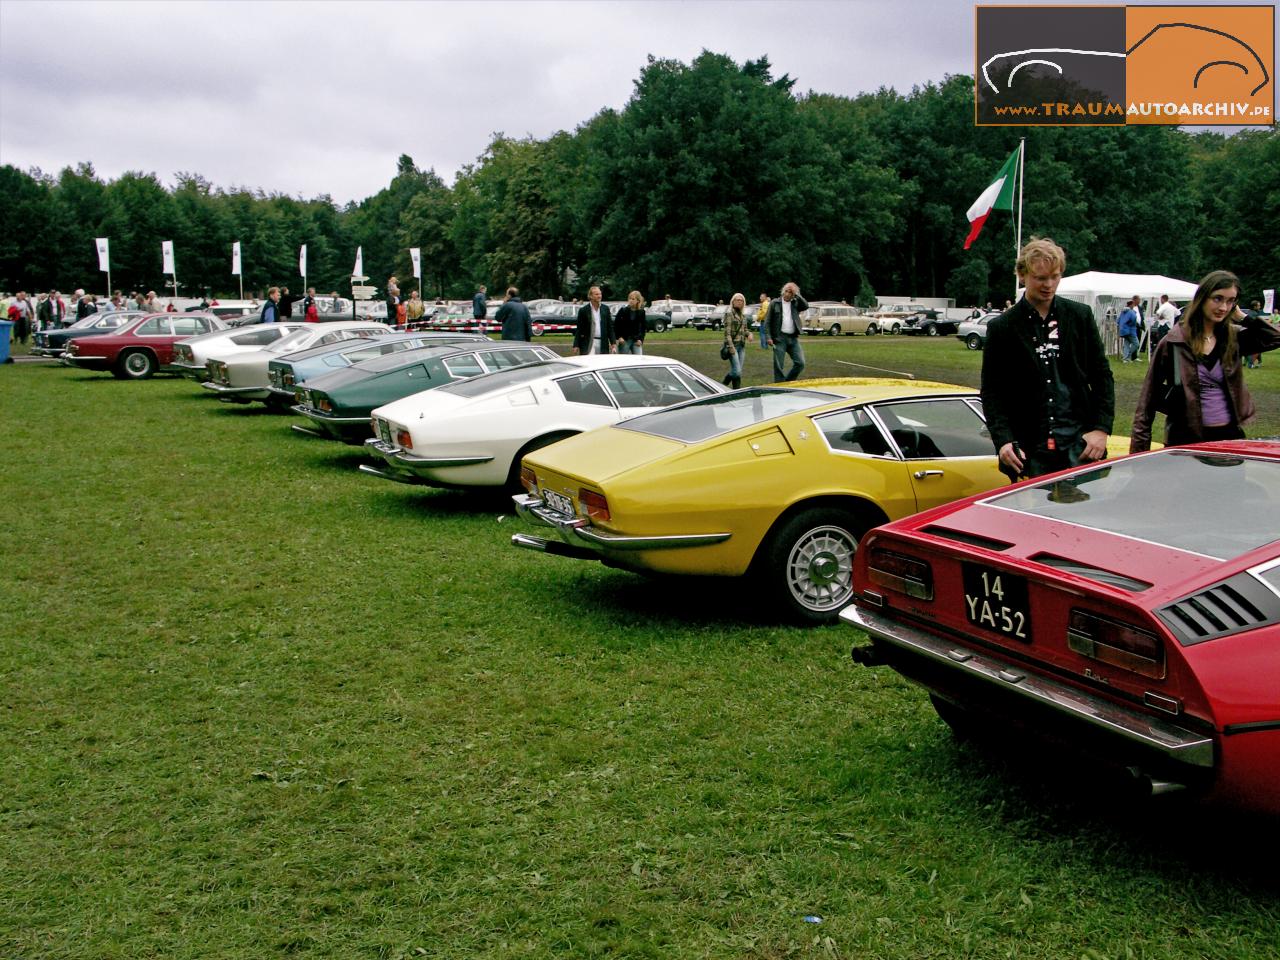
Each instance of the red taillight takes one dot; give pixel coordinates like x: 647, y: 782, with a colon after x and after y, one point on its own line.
x: 897, y: 571
x: 1116, y: 643
x: 404, y: 440
x: 528, y: 479
x: 593, y: 504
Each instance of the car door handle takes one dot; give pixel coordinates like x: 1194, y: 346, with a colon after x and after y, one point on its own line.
x: 921, y: 474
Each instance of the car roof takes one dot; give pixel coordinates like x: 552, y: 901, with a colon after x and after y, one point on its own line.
x: 608, y: 361
x: 874, y: 389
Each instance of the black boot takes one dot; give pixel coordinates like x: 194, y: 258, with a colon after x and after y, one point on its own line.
x: 737, y: 382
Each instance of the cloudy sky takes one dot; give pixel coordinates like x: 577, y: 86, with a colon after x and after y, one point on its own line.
x: 309, y: 97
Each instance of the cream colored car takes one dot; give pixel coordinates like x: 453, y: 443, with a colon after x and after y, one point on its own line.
x: 836, y: 319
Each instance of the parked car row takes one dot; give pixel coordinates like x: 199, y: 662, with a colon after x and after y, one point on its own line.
x: 1077, y: 608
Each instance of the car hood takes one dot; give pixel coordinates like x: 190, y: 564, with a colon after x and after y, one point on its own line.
x: 600, y: 455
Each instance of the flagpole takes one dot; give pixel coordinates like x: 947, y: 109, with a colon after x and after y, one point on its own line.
x: 1017, y: 247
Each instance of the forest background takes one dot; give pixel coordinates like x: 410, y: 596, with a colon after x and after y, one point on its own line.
x: 715, y: 177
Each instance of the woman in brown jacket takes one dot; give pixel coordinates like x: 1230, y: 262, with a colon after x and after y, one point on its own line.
x: 1196, y: 375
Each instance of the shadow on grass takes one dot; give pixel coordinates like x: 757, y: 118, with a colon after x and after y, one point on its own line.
x: 1028, y: 791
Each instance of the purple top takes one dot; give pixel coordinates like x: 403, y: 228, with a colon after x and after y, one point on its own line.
x: 1215, y: 411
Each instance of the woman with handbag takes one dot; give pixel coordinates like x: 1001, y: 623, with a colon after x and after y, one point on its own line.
x: 737, y: 331
x: 1196, y: 375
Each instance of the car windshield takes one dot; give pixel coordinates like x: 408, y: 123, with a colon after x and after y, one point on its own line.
x: 1136, y: 498
x: 502, y: 379
x: 713, y: 416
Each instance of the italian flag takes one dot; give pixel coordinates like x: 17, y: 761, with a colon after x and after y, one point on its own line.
x: 998, y: 196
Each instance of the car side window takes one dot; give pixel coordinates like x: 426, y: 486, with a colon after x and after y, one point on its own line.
x: 501, y: 359
x: 853, y: 431
x: 696, y: 386
x: 645, y: 387
x: 186, y: 327
x: 584, y: 388
x: 463, y: 365
x: 155, y: 327
x: 930, y: 429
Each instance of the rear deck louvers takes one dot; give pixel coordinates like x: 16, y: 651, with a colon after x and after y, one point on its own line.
x: 1233, y: 606
x: 969, y: 539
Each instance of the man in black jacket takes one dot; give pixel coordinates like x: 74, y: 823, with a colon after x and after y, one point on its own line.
x: 1047, y: 389
x: 594, y: 333
x: 784, y: 326
x: 514, y: 318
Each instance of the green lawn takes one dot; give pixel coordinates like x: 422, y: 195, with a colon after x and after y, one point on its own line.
x: 256, y: 703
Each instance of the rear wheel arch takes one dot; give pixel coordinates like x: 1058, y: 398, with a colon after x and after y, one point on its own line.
x: 537, y: 443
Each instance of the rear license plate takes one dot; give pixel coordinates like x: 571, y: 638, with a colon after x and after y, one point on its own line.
x: 558, y: 502
x: 997, y: 601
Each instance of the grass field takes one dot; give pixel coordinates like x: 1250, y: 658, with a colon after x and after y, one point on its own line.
x: 256, y: 703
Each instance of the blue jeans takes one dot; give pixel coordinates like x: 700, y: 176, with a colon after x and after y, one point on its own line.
x: 735, y: 359
x: 1130, y: 347
x: 635, y: 347
x: 787, y: 344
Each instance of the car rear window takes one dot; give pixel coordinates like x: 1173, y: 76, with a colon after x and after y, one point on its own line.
x: 1146, y: 498
x: 406, y: 358
x: 503, y: 379
x: 713, y: 416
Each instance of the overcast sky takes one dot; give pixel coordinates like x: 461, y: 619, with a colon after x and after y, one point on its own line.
x: 307, y: 98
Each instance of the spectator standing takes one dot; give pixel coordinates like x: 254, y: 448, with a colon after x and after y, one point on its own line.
x: 762, y: 316
x: 393, y: 301
x: 783, y: 321
x: 52, y: 312
x: 271, y: 307
x: 1127, y: 327
x: 153, y: 304
x: 310, y: 312
x: 479, y: 304
x: 594, y: 332
x: 514, y: 318
x: 629, y: 325
x: 737, y: 332
x: 287, y: 301
x: 1047, y: 389
x: 415, y: 308
x: 1255, y: 310
x: 22, y: 314
x: 1195, y: 378
x: 1166, y: 317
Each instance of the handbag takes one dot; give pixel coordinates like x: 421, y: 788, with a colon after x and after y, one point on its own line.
x: 725, y: 351
x: 1173, y: 397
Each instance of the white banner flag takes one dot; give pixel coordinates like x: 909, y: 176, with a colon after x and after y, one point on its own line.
x: 302, y: 260
x: 359, y: 267
x: 166, y: 250
x: 415, y: 254
x: 1269, y: 301
x: 104, y: 254
x: 235, y: 259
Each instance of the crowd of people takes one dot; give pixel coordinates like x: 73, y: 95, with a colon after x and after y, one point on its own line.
x: 1047, y: 387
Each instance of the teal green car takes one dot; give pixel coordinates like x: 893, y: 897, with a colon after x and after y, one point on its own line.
x: 339, y: 404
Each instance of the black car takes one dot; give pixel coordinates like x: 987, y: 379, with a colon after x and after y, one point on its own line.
x: 52, y: 342
x: 929, y: 323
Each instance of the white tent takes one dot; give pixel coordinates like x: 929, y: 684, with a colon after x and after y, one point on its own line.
x: 1113, y: 290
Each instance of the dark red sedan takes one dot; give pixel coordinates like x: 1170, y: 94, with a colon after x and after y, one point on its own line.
x: 1129, y: 611
x: 139, y: 348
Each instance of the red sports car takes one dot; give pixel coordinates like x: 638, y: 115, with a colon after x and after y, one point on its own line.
x: 141, y: 347
x: 1128, y: 610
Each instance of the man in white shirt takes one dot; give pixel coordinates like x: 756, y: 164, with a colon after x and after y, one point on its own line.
x: 784, y: 328
x: 1166, y: 316
x: 594, y: 333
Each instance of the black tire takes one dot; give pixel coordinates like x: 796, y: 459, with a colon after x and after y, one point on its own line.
x: 833, y: 330
x: 973, y: 342
x: 513, y: 474
x: 660, y: 326
x: 136, y: 365
x: 931, y: 330
x: 808, y: 563
x: 896, y: 329
x: 872, y: 330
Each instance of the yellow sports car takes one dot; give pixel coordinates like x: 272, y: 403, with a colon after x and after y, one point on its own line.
x: 780, y: 482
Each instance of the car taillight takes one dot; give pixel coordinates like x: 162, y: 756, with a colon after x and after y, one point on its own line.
x: 1116, y: 643
x: 323, y: 404
x: 593, y: 504
x: 897, y: 571
x: 404, y: 439
x: 528, y: 479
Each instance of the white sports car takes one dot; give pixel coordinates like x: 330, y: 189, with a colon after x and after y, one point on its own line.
x: 472, y: 433
x: 243, y: 377
x: 191, y: 355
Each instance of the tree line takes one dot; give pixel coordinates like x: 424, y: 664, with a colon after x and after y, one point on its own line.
x: 715, y: 177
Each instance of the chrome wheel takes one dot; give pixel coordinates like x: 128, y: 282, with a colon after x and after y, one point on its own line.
x: 819, y: 568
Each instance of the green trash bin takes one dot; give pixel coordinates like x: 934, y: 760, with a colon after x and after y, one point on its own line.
x: 6, y: 331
